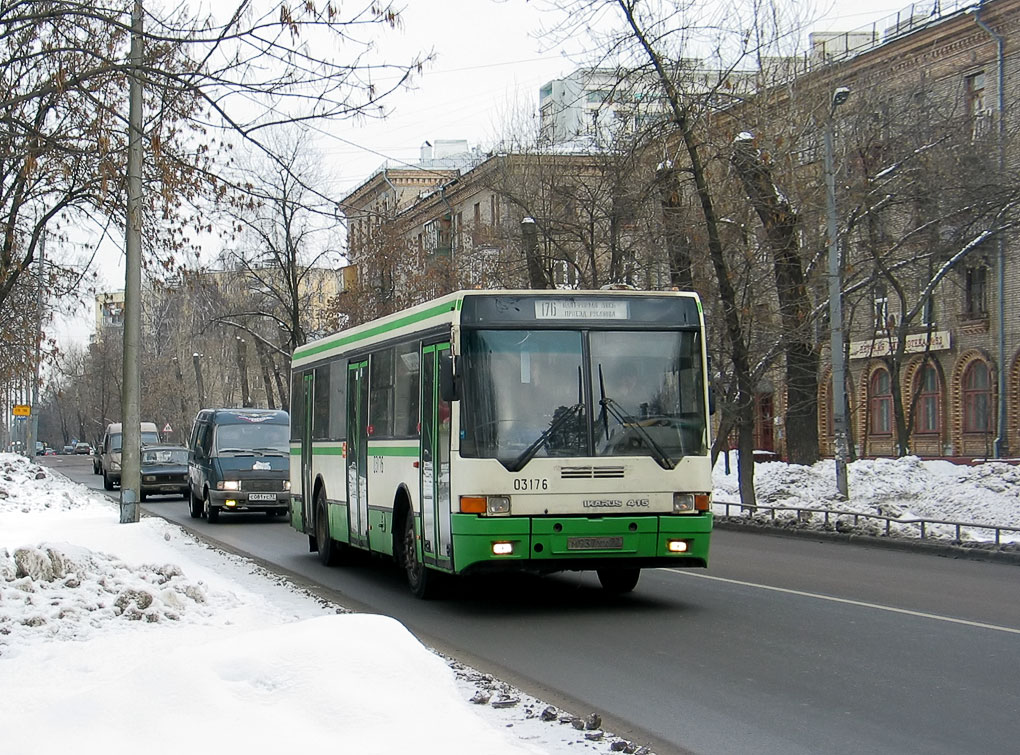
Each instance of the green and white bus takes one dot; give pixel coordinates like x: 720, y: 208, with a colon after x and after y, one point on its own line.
x: 509, y: 430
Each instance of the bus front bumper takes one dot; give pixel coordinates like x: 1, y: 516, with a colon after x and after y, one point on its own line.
x: 548, y: 544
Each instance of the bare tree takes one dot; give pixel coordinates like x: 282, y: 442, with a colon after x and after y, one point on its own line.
x: 211, y: 82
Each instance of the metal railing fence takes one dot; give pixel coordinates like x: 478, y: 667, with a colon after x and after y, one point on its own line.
x: 923, y: 523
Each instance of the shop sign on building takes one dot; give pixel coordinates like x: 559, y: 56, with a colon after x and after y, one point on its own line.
x: 881, y: 346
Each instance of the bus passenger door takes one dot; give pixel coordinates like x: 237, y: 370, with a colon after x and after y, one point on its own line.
x: 435, y: 460
x: 357, y: 451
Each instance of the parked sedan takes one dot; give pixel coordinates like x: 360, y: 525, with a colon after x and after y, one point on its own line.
x: 164, y: 471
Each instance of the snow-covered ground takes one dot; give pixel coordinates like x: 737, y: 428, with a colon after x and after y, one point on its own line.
x: 903, y: 489
x: 139, y: 638
x: 118, y: 638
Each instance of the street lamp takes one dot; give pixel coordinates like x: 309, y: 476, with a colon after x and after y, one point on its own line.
x: 839, y: 419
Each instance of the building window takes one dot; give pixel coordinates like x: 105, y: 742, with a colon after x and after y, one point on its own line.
x: 926, y: 410
x: 976, y: 292
x: 494, y: 210
x: 977, y: 398
x: 978, y: 114
x: 881, y: 403
x: 880, y: 310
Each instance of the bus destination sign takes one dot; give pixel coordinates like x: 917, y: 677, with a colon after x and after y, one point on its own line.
x: 581, y: 309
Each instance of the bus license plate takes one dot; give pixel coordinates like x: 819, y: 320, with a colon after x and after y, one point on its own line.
x: 594, y: 543
x: 262, y: 496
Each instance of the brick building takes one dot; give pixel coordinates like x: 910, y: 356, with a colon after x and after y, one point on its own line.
x: 957, y: 74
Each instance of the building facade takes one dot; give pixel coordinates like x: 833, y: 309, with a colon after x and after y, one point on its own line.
x: 939, y: 334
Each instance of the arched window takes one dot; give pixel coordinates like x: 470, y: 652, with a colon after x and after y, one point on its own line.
x: 926, y: 410
x: 977, y: 398
x: 881, y: 403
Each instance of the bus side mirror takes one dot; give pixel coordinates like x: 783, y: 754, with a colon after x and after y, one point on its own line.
x: 449, y: 385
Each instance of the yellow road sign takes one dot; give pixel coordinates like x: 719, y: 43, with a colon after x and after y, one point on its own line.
x: 22, y: 410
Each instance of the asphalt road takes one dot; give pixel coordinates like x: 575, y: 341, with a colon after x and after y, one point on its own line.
x: 782, y: 646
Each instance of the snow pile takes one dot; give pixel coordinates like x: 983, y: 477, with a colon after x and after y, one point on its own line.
x: 63, y: 591
x: 27, y: 487
x: 903, y: 489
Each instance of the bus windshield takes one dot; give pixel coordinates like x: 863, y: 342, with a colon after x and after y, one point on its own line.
x: 531, y: 393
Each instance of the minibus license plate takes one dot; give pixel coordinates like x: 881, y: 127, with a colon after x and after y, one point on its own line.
x: 594, y: 543
x: 262, y: 496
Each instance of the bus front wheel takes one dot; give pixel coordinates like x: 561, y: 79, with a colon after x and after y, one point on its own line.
x: 424, y: 582
x: 329, y: 549
x: 618, y: 581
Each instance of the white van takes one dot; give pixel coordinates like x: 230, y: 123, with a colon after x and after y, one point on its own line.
x: 109, y: 451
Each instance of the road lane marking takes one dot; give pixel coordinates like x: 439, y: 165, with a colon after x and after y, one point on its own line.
x: 847, y: 601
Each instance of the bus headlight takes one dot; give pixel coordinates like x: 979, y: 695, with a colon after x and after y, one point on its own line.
x: 686, y: 503
x: 497, y: 504
x: 683, y: 503
x: 502, y: 548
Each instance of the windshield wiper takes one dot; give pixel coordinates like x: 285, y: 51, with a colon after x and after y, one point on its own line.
x: 270, y: 451
x: 529, y: 453
x: 608, y: 406
x: 241, y: 451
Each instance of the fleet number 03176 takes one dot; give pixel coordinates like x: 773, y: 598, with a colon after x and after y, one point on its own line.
x: 531, y: 483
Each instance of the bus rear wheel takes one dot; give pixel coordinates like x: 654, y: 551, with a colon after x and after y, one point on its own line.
x: 196, y: 505
x: 424, y: 582
x: 618, y: 581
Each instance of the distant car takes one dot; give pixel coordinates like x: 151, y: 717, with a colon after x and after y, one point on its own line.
x: 109, y: 452
x: 164, y: 471
x: 69, y: 449
x: 82, y: 448
x: 50, y: 452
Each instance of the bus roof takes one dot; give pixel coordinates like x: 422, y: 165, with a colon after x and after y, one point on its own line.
x: 445, y: 309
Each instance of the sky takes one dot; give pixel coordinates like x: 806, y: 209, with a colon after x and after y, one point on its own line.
x: 125, y: 638
x: 489, y: 65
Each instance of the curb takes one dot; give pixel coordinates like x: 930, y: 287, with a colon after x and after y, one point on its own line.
x: 978, y: 552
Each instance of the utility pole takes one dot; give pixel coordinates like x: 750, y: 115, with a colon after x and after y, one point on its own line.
x: 33, y: 420
x: 836, y: 346
x: 131, y: 446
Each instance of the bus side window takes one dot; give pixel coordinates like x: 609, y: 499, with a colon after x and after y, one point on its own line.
x: 338, y: 400
x: 406, y: 390
x: 320, y: 409
x: 380, y: 409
